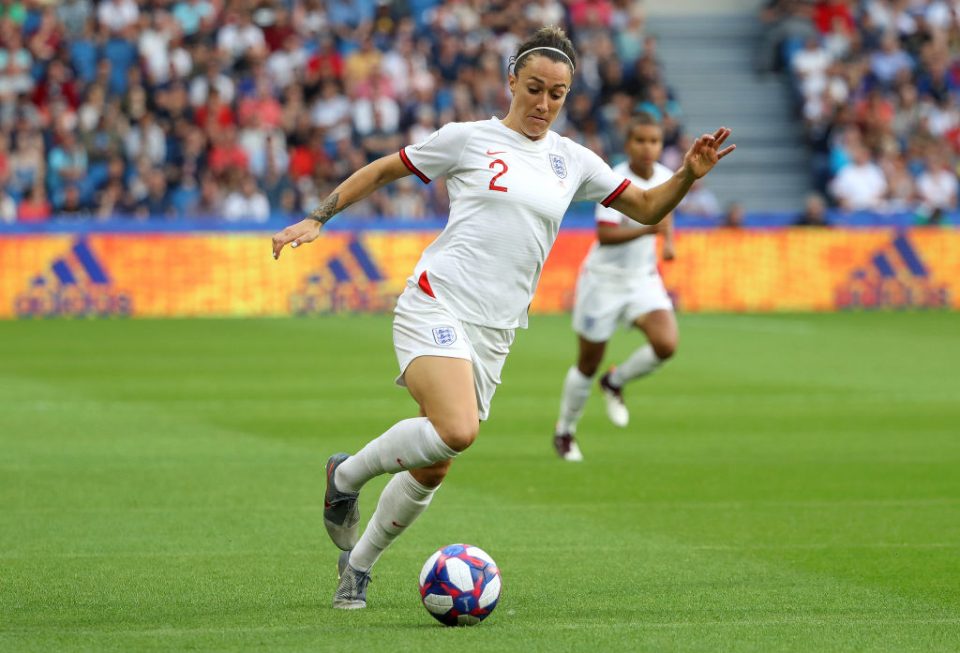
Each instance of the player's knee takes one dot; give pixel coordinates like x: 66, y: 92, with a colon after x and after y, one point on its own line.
x: 459, y: 434
x: 589, y: 362
x: 665, y: 349
x: 433, y: 475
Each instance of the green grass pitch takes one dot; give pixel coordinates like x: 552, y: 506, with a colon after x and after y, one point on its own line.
x: 788, y: 483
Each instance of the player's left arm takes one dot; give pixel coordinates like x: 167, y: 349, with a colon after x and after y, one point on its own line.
x: 652, y: 205
x: 615, y: 234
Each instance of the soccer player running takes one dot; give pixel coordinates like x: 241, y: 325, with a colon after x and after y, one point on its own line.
x: 510, y: 182
x: 619, y: 284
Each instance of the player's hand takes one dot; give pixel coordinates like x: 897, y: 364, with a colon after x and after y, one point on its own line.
x: 668, y: 252
x: 305, y: 231
x: 705, y: 153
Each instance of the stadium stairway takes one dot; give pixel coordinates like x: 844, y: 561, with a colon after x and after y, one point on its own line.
x: 709, y: 63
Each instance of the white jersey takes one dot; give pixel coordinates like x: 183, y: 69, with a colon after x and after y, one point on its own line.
x: 508, y: 195
x: 633, y: 258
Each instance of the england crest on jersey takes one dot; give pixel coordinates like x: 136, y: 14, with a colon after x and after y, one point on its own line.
x: 559, y: 166
x: 444, y: 336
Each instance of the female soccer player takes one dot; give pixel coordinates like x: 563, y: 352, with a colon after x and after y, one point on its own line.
x: 510, y: 182
x: 619, y: 283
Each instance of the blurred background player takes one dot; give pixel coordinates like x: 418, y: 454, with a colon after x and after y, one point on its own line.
x: 619, y: 284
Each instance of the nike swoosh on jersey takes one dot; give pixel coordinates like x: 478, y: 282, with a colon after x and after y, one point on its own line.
x: 489, y: 153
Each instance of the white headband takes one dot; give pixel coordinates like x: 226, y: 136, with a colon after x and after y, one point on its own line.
x: 543, y: 47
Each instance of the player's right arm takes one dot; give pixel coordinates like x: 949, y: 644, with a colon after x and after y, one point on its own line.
x: 353, y: 189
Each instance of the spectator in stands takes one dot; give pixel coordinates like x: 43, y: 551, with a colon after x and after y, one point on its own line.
x: 246, y: 203
x: 73, y: 206
x: 787, y: 22
x: 157, y: 202
x: 27, y: 163
x: 110, y: 202
x: 67, y: 164
x: 814, y: 212
x: 16, y: 63
x: 406, y: 203
x: 890, y: 63
x: 210, y: 202
x: 117, y: 15
x: 46, y: 40
x: 4, y: 158
x: 901, y: 188
x: 262, y: 104
x: 937, y: 185
x: 860, y: 185
x: 119, y: 56
x: 213, y: 78
x: 34, y: 207
x: 263, y: 145
x: 74, y: 15
x: 239, y: 38
x: 8, y: 207
x: 288, y: 63
x: 700, y: 201
x: 734, y: 216
x: 810, y: 66
x: 826, y: 14
x: 332, y: 110
x: 191, y: 15
x: 226, y: 154
x: 147, y: 140
x: 215, y: 113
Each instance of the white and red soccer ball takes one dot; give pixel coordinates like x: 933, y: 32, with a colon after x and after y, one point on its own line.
x: 460, y: 585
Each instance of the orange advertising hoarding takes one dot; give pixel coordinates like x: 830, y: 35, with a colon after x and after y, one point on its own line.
x: 233, y: 274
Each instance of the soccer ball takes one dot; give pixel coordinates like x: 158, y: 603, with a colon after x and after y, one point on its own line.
x: 460, y: 585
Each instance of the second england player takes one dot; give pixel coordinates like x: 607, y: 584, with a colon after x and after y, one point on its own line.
x: 510, y: 183
x: 619, y: 284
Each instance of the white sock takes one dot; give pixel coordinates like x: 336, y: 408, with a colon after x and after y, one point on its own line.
x: 576, y: 390
x: 640, y: 363
x: 402, y: 501
x: 408, y: 444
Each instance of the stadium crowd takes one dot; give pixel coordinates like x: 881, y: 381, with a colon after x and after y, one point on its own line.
x: 877, y: 82
x: 241, y: 109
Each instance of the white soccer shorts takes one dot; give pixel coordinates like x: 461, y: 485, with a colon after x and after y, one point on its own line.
x: 603, y: 303
x: 423, y: 326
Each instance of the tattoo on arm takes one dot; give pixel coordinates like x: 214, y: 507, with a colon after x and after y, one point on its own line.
x: 327, y: 209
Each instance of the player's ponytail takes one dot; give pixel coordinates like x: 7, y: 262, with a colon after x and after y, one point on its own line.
x: 551, y: 42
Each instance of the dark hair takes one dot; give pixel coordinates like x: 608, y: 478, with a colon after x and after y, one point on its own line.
x: 546, y: 37
x: 642, y: 119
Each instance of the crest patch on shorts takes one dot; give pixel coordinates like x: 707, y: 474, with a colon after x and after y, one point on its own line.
x: 444, y: 336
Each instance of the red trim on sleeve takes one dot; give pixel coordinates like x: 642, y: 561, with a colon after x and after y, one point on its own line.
x: 412, y: 168
x: 616, y: 221
x: 424, y: 283
x: 609, y: 199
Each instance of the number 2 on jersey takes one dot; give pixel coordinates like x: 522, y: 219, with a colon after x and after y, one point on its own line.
x: 493, y: 182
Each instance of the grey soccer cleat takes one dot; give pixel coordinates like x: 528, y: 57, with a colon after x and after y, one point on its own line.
x: 351, y: 593
x: 341, y: 512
